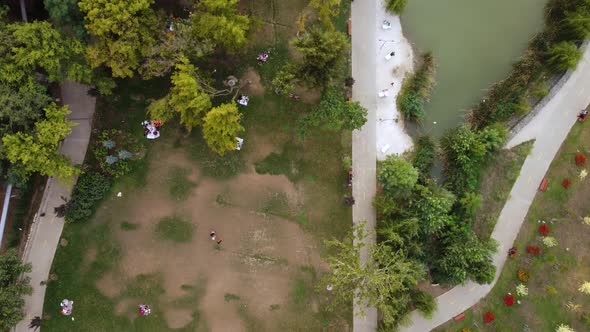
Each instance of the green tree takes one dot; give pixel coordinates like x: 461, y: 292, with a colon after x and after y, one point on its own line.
x: 384, y: 281
x: 397, y: 176
x: 326, y: 9
x: 186, y: 95
x: 424, y: 154
x: 219, y: 21
x: 12, y: 288
x: 463, y: 256
x: 563, y: 56
x: 21, y: 106
x: 123, y: 30
x: 221, y: 126
x: 336, y: 113
x: 469, y: 204
x: 38, y: 151
x: 284, y: 81
x: 66, y: 12
x: 323, y: 52
x: 432, y: 207
x: 396, y: 6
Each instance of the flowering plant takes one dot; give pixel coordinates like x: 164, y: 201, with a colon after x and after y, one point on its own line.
x: 580, y: 159
x: 566, y: 183
x: 544, y: 229
x: 488, y: 317
x: 509, y: 300
x: 533, y: 250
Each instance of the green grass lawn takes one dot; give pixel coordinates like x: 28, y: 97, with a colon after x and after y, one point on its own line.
x: 175, y: 229
x: 556, y: 274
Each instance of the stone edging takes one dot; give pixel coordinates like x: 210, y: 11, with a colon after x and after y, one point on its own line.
x: 554, y: 90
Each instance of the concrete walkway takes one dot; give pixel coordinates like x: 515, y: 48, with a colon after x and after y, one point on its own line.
x: 46, y: 230
x: 549, y: 129
x: 364, y: 154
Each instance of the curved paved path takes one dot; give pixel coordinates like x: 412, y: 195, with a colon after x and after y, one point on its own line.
x: 549, y: 128
x: 46, y: 230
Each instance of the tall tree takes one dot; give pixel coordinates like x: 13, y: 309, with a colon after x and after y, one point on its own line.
x: 123, y: 30
x: 37, y: 151
x: 187, y: 97
x: 21, y: 106
x: 432, y: 207
x: 221, y: 126
x: 12, y: 287
x: 66, y: 12
x: 334, y: 112
x: 563, y: 56
x: 326, y: 10
x: 219, y: 21
x: 384, y: 281
x: 323, y: 52
x: 397, y: 176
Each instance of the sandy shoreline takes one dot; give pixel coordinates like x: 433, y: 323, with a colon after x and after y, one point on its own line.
x: 390, y: 73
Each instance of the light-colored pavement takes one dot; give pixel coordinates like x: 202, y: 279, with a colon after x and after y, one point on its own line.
x: 549, y: 129
x: 46, y: 230
x: 364, y: 181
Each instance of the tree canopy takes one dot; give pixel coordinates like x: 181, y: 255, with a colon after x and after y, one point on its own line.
x: 123, y: 30
x: 37, y: 151
x: 12, y: 287
x: 335, y: 112
x: 221, y: 126
x: 219, y: 21
x: 397, y: 176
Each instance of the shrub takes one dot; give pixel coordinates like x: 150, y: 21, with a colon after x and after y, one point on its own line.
x: 549, y: 241
x: 416, y: 90
x: 424, y: 155
x: 580, y: 159
x: 566, y: 183
x: 544, y: 229
x: 522, y: 290
x: 425, y: 303
x: 533, y: 250
x: 523, y: 275
x: 396, y: 6
x: 488, y: 317
x: 88, y: 191
x: 115, y: 151
x: 563, y: 56
x: 509, y: 300
x: 397, y: 176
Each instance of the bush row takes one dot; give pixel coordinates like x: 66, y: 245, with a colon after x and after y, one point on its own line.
x: 416, y: 90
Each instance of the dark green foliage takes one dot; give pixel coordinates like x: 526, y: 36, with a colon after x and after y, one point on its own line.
x: 469, y: 204
x: 323, y: 51
x: 416, y: 90
x: 66, y: 12
x: 397, y: 176
x: 463, y: 256
x: 464, y: 152
x: 88, y: 191
x: 424, y: 302
x: 288, y: 162
x: 563, y: 56
x: 334, y: 112
x: 432, y: 207
x: 396, y: 6
x: 424, y: 154
x: 22, y: 106
x: 12, y: 287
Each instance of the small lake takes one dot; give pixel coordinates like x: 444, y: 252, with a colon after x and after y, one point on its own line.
x: 474, y: 43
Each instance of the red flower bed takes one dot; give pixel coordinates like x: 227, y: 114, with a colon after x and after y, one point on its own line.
x: 508, y: 300
x: 488, y: 317
x: 566, y: 183
x: 544, y: 229
x: 580, y: 159
x: 533, y: 250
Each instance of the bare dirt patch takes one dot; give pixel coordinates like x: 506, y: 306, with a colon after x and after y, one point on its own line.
x: 257, y: 259
x: 109, y: 285
x: 254, y: 86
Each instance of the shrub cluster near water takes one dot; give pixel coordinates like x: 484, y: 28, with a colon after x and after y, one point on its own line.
x: 416, y: 90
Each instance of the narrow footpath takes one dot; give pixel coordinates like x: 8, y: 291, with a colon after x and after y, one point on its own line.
x: 549, y: 128
x: 47, y: 227
x: 364, y: 154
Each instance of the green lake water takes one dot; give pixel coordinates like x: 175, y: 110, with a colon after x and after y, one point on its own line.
x: 474, y: 43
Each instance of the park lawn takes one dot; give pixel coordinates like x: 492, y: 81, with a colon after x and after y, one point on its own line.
x: 556, y: 274
x: 498, y: 178
x: 179, y: 163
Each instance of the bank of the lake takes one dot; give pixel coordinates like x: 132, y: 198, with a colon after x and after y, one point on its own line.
x: 474, y: 43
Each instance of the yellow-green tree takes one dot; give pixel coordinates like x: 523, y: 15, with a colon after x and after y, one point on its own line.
x: 187, y: 97
x: 38, y: 151
x: 123, y: 30
x: 219, y: 21
x: 326, y: 10
x: 221, y: 126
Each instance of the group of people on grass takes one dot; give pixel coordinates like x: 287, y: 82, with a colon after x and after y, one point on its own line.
x: 152, y: 128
